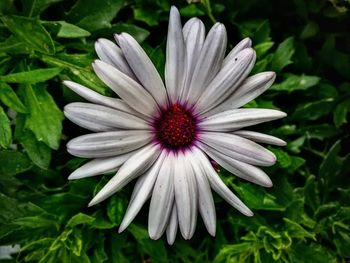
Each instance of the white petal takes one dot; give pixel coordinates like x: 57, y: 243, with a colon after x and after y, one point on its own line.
x: 194, y: 35
x: 133, y: 167
x: 175, y: 56
x: 209, y: 61
x: 240, y: 169
x: 100, y: 166
x: 251, y: 88
x: 162, y: 199
x: 238, y: 148
x: 106, y: 144
x: 227, y: 80
x: 192, y: 183
x: 243, y: 44
x: 218, y: 185
x: 110, y: 53
x: 93, y: 96
x: 205, y: 197
x: 260, y: 137
x: 128, y: 89
x: 143, y: 67
x: 142, y: 191
x: 89, y: 124
x: 172, y: 226
x: 187, y: 27
x: 104, y: 116
x: 183, y: 195
x: 97, y: 98
x: 231, y: 120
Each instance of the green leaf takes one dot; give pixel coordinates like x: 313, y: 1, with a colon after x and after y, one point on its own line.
x: 294, y: 82
x: 36, y: 249
x: 297, y: 231
x: 14, y: 46
x: 191, y: 11
x: 101, y: 222
x: 37, y: 151
x: 155, y: 249
x: 257, y: 198
x: 94, y: 14
x: 6, y: 6
x: 314, y: 110
x: 5, y: 130
x: 262, y: 33
x: 116, y: 209
x: 319, y: 132
x: 10, y: 99
x: 341, y: 112
x: 100, y: 254
x: 77, y: 72
x: 68, y: 30
x: 79, y: 219
x: 342, y: 243
x: 62, y: 205
x: 262, y: 48
x: 294, y: 146
x: 30, y: 31
x: 331, y: 160
x: 283, y: 158
x: 158, y: 58
x: 117, y: 243
x: 137, y: 32
x: 325, y: 90
x: 233, y: 253
x: 282, y: 56
x: 45, y: 118
x: 12, y: 162
x: 148, y: 16
x: 297, y: 162
x: 310, y: 30
x: 38, y: 221
x: 286, y: 161
x: 301, y: 253
x: 32, y: 76
x: 35, y: 7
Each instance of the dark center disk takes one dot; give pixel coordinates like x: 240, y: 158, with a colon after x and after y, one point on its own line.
x: 176, y: 127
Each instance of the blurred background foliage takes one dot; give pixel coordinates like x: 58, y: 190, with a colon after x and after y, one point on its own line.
x: 303, y: 218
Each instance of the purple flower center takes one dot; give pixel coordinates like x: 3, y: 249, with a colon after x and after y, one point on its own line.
x: 176, y: 127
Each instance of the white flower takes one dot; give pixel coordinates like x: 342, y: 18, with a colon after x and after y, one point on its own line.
x: 165, y: 135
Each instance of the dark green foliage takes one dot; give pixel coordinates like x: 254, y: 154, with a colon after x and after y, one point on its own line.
x: 304, y: 217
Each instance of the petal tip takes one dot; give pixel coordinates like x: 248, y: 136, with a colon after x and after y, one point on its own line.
x: 97, y: 199
x: 247, y: 42
x: 98, y: 41
x: 173, y: 9
x: 170, y: 242
x: 73, y: 176
x: 269, y: 75
x: 221, y: 26
x: 66, y: 83
x: 267, y: 183
x: 153, y: 236
x: 92, y: 203
x: 117, y: 38
x: 283, y: 143
x: 212, y: 231
x: 248, y: 212
x: 121, y: 228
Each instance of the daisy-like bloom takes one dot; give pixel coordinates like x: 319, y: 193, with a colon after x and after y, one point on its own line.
x: 166, y: 135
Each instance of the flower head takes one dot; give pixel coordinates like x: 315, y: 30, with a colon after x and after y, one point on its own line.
x: 166, y: 136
